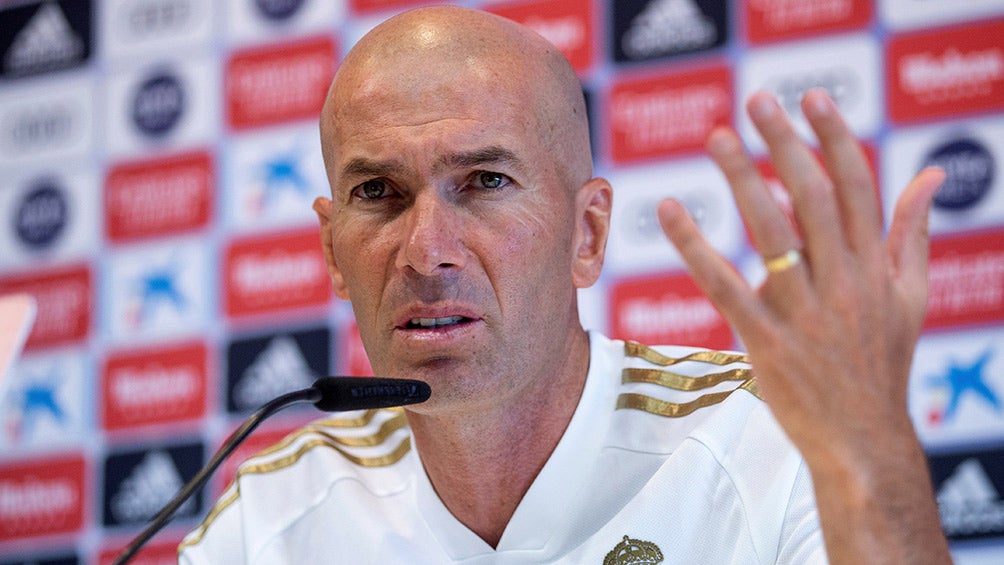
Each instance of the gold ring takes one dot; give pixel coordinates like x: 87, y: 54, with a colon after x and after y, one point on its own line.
x: 783, y: 262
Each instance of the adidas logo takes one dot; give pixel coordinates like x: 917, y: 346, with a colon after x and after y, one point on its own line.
x: 667, y: 26
x: 280, y: 368
x: 150, y: 486
x: 46, y: 42
x: 969, y: 503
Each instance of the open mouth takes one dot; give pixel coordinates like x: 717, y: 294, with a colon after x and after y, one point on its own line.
x: 435, y: 323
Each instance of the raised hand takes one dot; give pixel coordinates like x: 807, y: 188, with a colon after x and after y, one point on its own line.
x: 832, y: 329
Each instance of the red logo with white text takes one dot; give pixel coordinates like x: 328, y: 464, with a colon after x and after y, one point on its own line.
x: 568, y: 24
x: 667, y: 309
x: 273, y: 273
x: 373, y: 5
x: 946, y: 72
x: 662, y: 116
x: 157, y: 552
x: 966, y: 280
x: 42, y: 497
x: 279, y: 83
x: 156, y: 386
x: 64, y: 304
x: 158, y: 197
x: 769, y: 20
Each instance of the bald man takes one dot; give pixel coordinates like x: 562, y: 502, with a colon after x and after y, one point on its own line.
x: 464, y: 217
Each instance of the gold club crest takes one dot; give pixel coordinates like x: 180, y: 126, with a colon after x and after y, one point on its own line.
x: 634, y: 552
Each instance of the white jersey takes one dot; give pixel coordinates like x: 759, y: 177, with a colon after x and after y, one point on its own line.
x: 669, y: 457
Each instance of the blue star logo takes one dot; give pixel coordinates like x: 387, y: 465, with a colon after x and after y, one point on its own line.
x: 38, y: 400
x: 282, y: 173
x: 962, y: 379
x: 159, y: 285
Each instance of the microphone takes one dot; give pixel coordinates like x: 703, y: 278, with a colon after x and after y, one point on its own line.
x: 330, y: 394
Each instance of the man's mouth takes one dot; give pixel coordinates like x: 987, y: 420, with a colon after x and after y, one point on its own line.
x: 435, y: 323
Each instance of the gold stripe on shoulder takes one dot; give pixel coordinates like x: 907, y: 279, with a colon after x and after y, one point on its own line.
x: 218, y: 508
x: 677, y: 381
x: 634, y: 401
x: 635, y: 349
x: 283, y: 462
x: 390, y: 426
x: 357, y: 422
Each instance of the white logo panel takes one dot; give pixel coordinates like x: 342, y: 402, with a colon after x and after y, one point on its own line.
x: 46, y: 121
x: 134, y: 28
x: 263, y: 20
x: 637, y: 243
x: 909, y: 14
x: 847, y: 67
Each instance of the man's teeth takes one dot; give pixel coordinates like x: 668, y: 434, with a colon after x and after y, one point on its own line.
x: 435, y: 322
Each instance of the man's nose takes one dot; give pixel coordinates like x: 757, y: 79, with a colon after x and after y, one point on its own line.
x: 432, y: 235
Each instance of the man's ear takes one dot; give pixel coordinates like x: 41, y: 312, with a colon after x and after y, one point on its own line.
x: 592, y: 207
x: 323, y: 208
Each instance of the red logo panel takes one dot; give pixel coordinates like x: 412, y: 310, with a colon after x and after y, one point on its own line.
x: 64, y: 304
x: 666, y: 309
x: 279, y: 83
x: 568, y: 24
x: 156, y: 386
x: 159, y: 197
x: 356, y: 363
x: 42, y: 497
x: 967, y: 280
x: 769, y: 20
x: 663, y: 116
x: 374, y: 5
x: 274, y: 273
x: 946, y: 72
x: 157, y: 552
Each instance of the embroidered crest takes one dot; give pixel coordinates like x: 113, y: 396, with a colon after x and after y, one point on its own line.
x: 634, y: 552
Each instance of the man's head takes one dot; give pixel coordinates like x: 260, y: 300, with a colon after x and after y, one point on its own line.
x: 463, y: 216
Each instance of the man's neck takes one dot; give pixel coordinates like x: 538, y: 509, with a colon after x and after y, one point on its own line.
x: 482, y: 462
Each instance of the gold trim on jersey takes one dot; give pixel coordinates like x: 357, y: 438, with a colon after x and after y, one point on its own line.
x: 635, y: 349
x: 326, y: 439
x: 680, y: 382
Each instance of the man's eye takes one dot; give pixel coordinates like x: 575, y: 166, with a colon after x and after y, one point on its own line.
x: 490, y: 180
x: 372, y: 189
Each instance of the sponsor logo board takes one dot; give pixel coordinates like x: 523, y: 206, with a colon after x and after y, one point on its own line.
x: 42, y: 496
x: 48, y: 401
x: 662, y: 116
x: 670, y: 308
x: 263, y: 21
x: 163, y: 106
x: 159, y: 196
x: 645, y: 30
x: 374, y: 5
x: 65, y: 304
x: 157, y: 552
x: 260, y: 368
x: 847, y: 67
x: 157, y: 290
x: 966, y: 275
x: 945, y: 72
x: 273, y: 180
x: 137, y: 483
x: 275, y: 272
x: 911, y: 14
x: 568, y: 24
x: 956, y: 392
x: 771, y: 20
x: 134, y: 28
x: 51, y: 217
x: 159, y: 385
x: 968, y: 489
x: 258, y: 79
x: 971, y: 153
x: 254, y: 444
x: 41, y: 37
x: 637, y: 242
x: 47, y: 122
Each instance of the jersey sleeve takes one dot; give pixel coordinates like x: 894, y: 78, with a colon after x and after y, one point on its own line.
x: 220, y: 537
x: 801, y: 536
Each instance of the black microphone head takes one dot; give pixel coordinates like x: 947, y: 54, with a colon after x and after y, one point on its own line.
x: 362, y: 393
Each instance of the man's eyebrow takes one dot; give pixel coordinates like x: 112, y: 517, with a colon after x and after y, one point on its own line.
x: 478, y: 157
x: 363, y: 167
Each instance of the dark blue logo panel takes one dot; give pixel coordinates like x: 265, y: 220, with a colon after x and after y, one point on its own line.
x: 261, y: 368
x: 42, y: 215
x: 278, y: 10
x: 137, y: 484
x: 47, y: 559
x: 969, y: 168
x: 158, y: 104
x: 46, y: 36
x: 968, y: 488
x: 646, y: 30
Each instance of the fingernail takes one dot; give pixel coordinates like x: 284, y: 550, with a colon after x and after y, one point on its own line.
x: 763, y: 105
x: 818, y: 101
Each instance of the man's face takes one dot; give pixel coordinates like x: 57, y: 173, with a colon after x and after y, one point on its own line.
x: 452, y: 232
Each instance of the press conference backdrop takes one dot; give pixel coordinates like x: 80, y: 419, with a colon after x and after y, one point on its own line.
x: 158, y: 159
